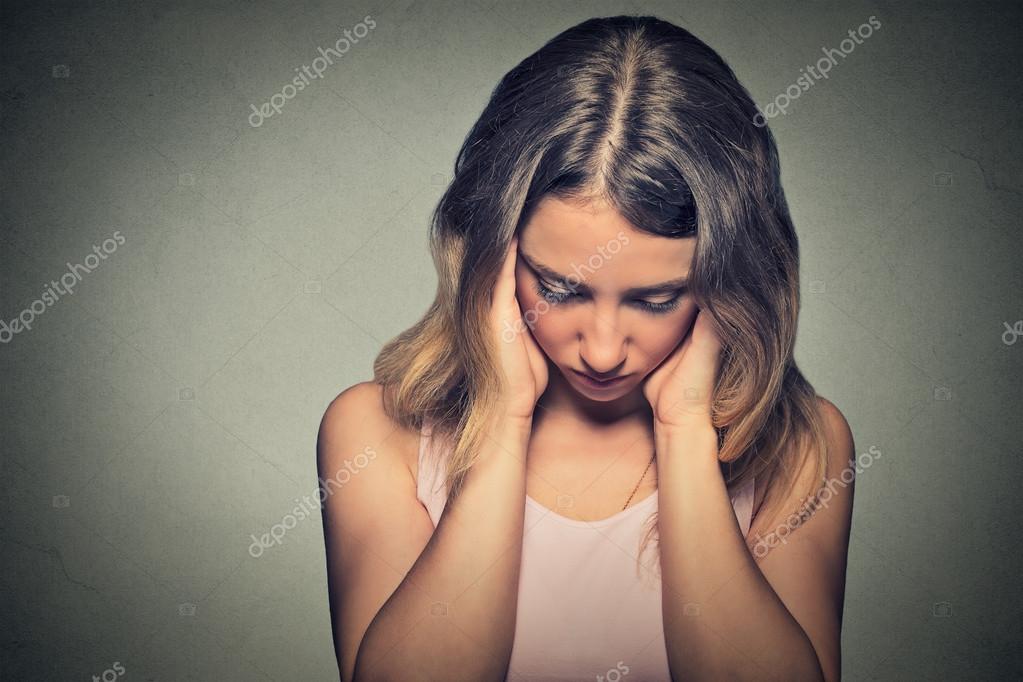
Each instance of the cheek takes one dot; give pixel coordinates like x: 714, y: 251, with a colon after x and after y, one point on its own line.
x: 660, y: 339
x: 652, y: 346
x: 543, y: 319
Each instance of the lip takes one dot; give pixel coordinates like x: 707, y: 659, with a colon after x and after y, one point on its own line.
x: 596, y: 384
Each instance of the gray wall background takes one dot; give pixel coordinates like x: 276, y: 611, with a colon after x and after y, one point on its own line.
x: 167, y: 410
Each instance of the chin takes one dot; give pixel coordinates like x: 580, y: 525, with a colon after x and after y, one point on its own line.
x: 599, y: 394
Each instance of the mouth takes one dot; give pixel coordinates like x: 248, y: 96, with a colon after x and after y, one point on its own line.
x: 593, y: 382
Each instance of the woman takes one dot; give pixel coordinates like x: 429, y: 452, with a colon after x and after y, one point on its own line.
x: 588, y: 455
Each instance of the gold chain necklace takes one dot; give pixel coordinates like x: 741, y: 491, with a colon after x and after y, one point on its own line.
x: 640, y: 480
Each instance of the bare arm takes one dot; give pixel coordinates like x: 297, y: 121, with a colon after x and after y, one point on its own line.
x: 780, y: 619
x: 453, y: 616
x: 725, y: 615
x: 374, y: 527
x: 450, y: 614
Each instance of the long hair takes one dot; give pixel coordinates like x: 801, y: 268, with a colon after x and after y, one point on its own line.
x: 638, y: 112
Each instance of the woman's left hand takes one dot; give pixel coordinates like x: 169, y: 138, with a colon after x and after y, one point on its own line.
x: 680, y: 389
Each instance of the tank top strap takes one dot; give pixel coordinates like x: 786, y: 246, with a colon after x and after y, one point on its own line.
x: 742, y: 501
x: 431, y: 492
x: 430, y: 484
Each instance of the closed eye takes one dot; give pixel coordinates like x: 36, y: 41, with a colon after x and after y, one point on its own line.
x: 557, y: 297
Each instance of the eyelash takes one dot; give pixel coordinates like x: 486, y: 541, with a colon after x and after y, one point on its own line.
x: 557, y: 297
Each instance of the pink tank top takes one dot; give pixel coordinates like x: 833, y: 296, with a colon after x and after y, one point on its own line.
x: 583, y: 612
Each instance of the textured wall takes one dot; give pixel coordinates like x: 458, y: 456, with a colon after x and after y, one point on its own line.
x: 247, y: 268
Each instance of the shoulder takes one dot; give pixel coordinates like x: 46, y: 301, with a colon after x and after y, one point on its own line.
x: 374, y: 525
x: 356, y: 419
x: 840, y: 445
x: 834, y: 419
x: 802, y: 551
x: 838, y: 436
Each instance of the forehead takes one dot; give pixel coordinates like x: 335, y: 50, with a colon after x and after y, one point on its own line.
x: 564, y: 234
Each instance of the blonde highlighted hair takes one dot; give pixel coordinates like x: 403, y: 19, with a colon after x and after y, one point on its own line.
x: 642, y: 114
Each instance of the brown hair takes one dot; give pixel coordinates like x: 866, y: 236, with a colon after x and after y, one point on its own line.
x: 641, y: 113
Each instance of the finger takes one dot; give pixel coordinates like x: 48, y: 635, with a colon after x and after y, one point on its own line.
x: 510, y: 256
x: 505, y: 307
x: 700, y: 362
x: 677, y: 353
x: 705, y: 336
x: 505, y: 285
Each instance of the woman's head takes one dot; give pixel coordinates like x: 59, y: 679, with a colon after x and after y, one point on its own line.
x: 617, y: 128
x: 601, y: 297
x: 641, y: 121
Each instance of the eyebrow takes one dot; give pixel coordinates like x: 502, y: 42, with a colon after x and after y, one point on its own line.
x: 548, y: 273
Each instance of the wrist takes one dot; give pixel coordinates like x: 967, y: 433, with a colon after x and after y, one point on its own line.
x: 513, y: 425
x: 694, y: 427
x: 692, y: 439
x: 518, y: 412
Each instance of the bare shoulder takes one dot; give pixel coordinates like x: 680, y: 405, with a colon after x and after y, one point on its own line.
x: 374, y: 526
x: 833, y: 417
x: 802, y: 551
x: 839, y: 437
x: 840, y: 446
x: 357, y: 416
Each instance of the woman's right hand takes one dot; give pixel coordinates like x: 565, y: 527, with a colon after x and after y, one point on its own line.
x: 523, y: 365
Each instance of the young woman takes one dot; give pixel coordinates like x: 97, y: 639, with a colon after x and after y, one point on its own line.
x: 594, y: 457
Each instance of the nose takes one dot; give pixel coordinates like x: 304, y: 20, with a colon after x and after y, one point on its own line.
x: 602, y: 347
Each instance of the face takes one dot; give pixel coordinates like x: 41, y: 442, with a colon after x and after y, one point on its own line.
x: 601, y: 298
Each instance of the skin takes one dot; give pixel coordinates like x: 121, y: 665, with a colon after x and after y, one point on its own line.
x: 776, y: 617
x: 593, y: 446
